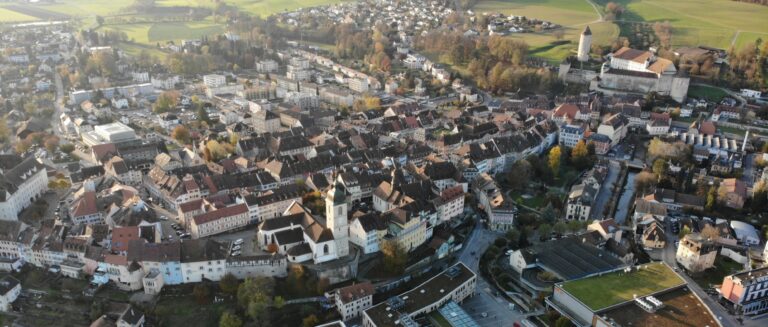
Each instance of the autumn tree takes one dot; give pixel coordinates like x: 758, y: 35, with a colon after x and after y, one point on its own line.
x: 645, y: 182
x: 395, y: 257
x: 555, y: 158
x: 709, y: 232
x: 67, y: 148
x: 580, y: 156
x: 166, y: 101
x: 255, y: 296
x: 310, y: 321
x: 181, y: 133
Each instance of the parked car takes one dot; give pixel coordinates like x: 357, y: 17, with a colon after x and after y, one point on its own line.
x: 238, y: 241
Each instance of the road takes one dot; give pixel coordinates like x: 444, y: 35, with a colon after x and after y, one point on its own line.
x: 727, y: 320
x: 606, y: 190
x: 498, y: 311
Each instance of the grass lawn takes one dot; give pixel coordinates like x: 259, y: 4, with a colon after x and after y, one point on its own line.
x: 614, y: 288
x: 732, y: 130
x: 10, y: 16
x: 745, y: 38
x: 706, y: 92
x: 723, y: 267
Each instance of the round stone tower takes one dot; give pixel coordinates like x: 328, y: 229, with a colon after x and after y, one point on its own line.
x: 585, y: 42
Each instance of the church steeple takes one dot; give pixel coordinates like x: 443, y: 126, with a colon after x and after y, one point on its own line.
x: 336, y: 217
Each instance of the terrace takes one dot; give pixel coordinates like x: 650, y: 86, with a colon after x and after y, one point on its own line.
x: 681, y: 308
x: 604, y: 291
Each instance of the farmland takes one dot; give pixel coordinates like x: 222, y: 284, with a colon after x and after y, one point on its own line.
x: 259, y: 7
x: 8, y: 15
x: 717, y: 23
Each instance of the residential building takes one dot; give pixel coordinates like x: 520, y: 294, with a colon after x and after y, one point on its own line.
x: 615, y: 127
x: 214, y: 80
x: 747, y: 291
x: 220, y: 220
x: 695, y: 253
x: 352, y: 300
x: 22, y: 181
x: 570, y: 135
x: 10, y: 289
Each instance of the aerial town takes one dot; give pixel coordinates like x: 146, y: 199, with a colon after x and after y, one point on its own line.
x: 378, y: 163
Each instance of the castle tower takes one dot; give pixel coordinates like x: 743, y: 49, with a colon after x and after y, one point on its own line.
x: 585, y: 43
x: 336, y: 217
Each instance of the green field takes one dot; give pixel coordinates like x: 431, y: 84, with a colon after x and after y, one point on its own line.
x: 703, y: 22
x: 151, y: 33
x: 573, y: 15
x: 695, y: 22
x: 614, y: 288
x: 262, y: 8
x: 87, y: 7
x: 706, y: 92
x: 10, y: 16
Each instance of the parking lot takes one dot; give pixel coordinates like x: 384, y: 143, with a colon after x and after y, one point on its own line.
x: 248, y: 236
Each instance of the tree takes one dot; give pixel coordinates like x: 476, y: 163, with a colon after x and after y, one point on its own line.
x: 709, y: 232
x: 229, y: 319
x: 51, y: 143
x: 711, y: 199
x: 560, y: 227
x: 255, y: 296
x: 202, y: 293
x: 574, y: 226
x: 229, y: 284
x: 580, y: 156
x: 558, y: 34
x: 67, y: 148
x: 310, y: 321
x: 545, y: 230
x: 644, y: 182
x: 548, y: 214
x: 166, y: 101
x: 395, y: 257
x: 554, y: 160
x: 181, y: 133
x: 520, y: 174
x: 660, y: 167
x: 513, y: 237
x: 684, y: 231
x: 218, y: 150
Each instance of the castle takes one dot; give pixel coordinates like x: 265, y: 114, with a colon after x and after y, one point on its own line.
x: 626, y: 71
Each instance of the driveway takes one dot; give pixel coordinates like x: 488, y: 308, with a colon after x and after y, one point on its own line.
x: 248, y: 236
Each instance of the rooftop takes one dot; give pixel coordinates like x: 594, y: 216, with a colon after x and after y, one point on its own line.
x: 603, y: 291
x: 421, y: 296
x: 681, y: 308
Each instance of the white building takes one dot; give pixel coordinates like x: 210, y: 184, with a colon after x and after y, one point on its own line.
x: 352, y: 300
x: 10, y: 288
x: 109, y: 133
x: 585, y: 44
x: 214, y: 80
x: 570, y: 135
x: 615, y: 127
x: 219, y: 221
x: 22, y: 181
x: 266, y: 66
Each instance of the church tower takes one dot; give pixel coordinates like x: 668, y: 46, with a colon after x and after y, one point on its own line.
x: 336, y: 217
x: 585, y: 43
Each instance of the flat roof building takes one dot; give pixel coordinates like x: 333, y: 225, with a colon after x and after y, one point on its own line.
x: 109, y: 133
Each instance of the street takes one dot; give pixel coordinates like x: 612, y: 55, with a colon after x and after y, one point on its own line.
x: 726, y: 319
x: 485, y: 307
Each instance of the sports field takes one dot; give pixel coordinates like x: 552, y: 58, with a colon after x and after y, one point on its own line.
x: 151, y: 33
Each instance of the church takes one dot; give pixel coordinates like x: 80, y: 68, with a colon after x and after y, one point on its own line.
x: 305, y: 237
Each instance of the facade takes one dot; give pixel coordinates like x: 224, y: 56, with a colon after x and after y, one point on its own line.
x: 352, y: 300
x: 695, y: 253
x: 22, y: 181
x: 615, y: 127
x: 638, y: 71
x: 214, y: 80
x: 500, y: 210
x: 570, y: 135
x: 268, y: 265
x: 220, y: 220
x: 747, y: 291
